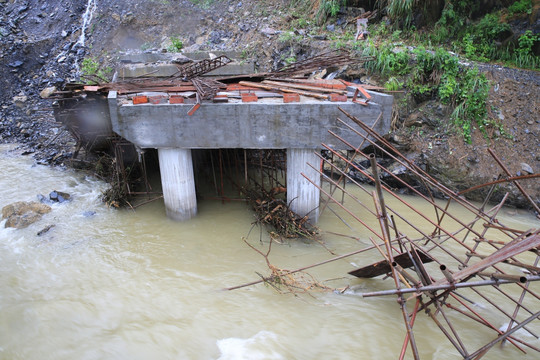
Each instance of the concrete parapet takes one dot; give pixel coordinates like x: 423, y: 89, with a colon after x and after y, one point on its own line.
x: 136, y: 70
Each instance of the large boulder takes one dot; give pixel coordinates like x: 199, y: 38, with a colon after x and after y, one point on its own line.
x: 21, y: 213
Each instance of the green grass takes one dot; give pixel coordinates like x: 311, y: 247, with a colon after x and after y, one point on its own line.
x: 522, y: 6
x: 487, y: 39
x: 393, y: 84
x: 94, y: 71
x: 205, y: 4
x: 435, y: 74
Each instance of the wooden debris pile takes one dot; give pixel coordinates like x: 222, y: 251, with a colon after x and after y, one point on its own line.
x: 191, y: 85
x: 274, y: 212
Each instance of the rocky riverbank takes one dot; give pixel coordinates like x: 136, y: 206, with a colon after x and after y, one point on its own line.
x: 41, y: 49
x: 38, y: 50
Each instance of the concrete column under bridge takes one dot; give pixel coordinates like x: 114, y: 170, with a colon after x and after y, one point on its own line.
x: 178, y: 183
x: 269, y: 123
x: 302, y: 196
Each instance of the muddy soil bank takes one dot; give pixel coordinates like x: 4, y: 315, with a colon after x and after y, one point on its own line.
x: 514, y: 102
x: 40, y: 48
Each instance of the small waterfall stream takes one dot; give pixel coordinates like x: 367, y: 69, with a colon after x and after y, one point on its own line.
x: 91, y: 7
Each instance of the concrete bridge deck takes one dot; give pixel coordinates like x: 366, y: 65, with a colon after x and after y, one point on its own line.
x: 266, y: 122
x: 239, y: 116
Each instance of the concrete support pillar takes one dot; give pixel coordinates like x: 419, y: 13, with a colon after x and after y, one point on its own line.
x: 178, y: 183
x: 302, y: 195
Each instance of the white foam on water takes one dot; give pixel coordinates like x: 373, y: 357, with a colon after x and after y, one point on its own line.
x: 519, y: 332
x: 260, y: 346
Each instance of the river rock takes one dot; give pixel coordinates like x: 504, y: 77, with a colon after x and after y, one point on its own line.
x: 415, y: 119
x: 47, y: 92
x: 20, y: 99
x: 88, y: 213
x: 269, y: 31
x: 21, y: 214
x: 22, y: 221
x: 16, y: 64
x: 527, y: 168
x: 59, y: 196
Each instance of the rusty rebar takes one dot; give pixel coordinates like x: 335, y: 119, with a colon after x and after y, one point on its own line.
x: 431, y: 288
x: 518, y: 185
x: 483, y: 321
x: 480, y: 352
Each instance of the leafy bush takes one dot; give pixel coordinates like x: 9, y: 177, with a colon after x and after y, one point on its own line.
x: 470, y: 99
x: 488, y: 39
x: 522, y: 6
x: 93, y: 71
x: 524, y: 56
x: 329, y: 8
x: 398, y: 10
x: 176, y: 44
x: 386, y: 61
x: 463, y: 88
x: 481, y: 39
x: 436, y: 74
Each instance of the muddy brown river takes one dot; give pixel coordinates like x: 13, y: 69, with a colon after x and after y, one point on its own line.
x: 110, y: 284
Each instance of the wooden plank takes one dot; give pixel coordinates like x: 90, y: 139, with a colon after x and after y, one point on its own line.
x: 383, y: 267
x: 305, y: 87
x: 327, y: 84
x: 276, y: 88
x: 92, y: 88
x: 158, y: 89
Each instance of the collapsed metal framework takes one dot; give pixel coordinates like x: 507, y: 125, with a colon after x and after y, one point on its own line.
x: 202, y: 67
x: 322, y: 61
x: 455, y: 279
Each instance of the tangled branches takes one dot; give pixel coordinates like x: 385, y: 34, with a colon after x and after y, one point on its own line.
x: 272, y: 211
x: 286, y: 281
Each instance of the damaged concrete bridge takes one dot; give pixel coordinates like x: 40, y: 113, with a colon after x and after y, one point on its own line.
x: 260, y: 111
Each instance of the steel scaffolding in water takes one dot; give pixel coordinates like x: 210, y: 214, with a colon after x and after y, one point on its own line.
x: 477, y: 255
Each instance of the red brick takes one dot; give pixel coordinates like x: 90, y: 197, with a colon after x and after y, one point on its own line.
x: 338, y: 98
x: 176, y: 99
x: 291, y: 97
x: 193, y: 109
x: 249, y: 97
x: 140, y: 100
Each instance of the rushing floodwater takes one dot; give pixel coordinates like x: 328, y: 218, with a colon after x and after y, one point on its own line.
x: 134, y: 285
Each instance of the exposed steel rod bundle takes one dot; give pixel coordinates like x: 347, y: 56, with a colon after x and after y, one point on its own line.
x: 321, y: 61
x: 435, y: 291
